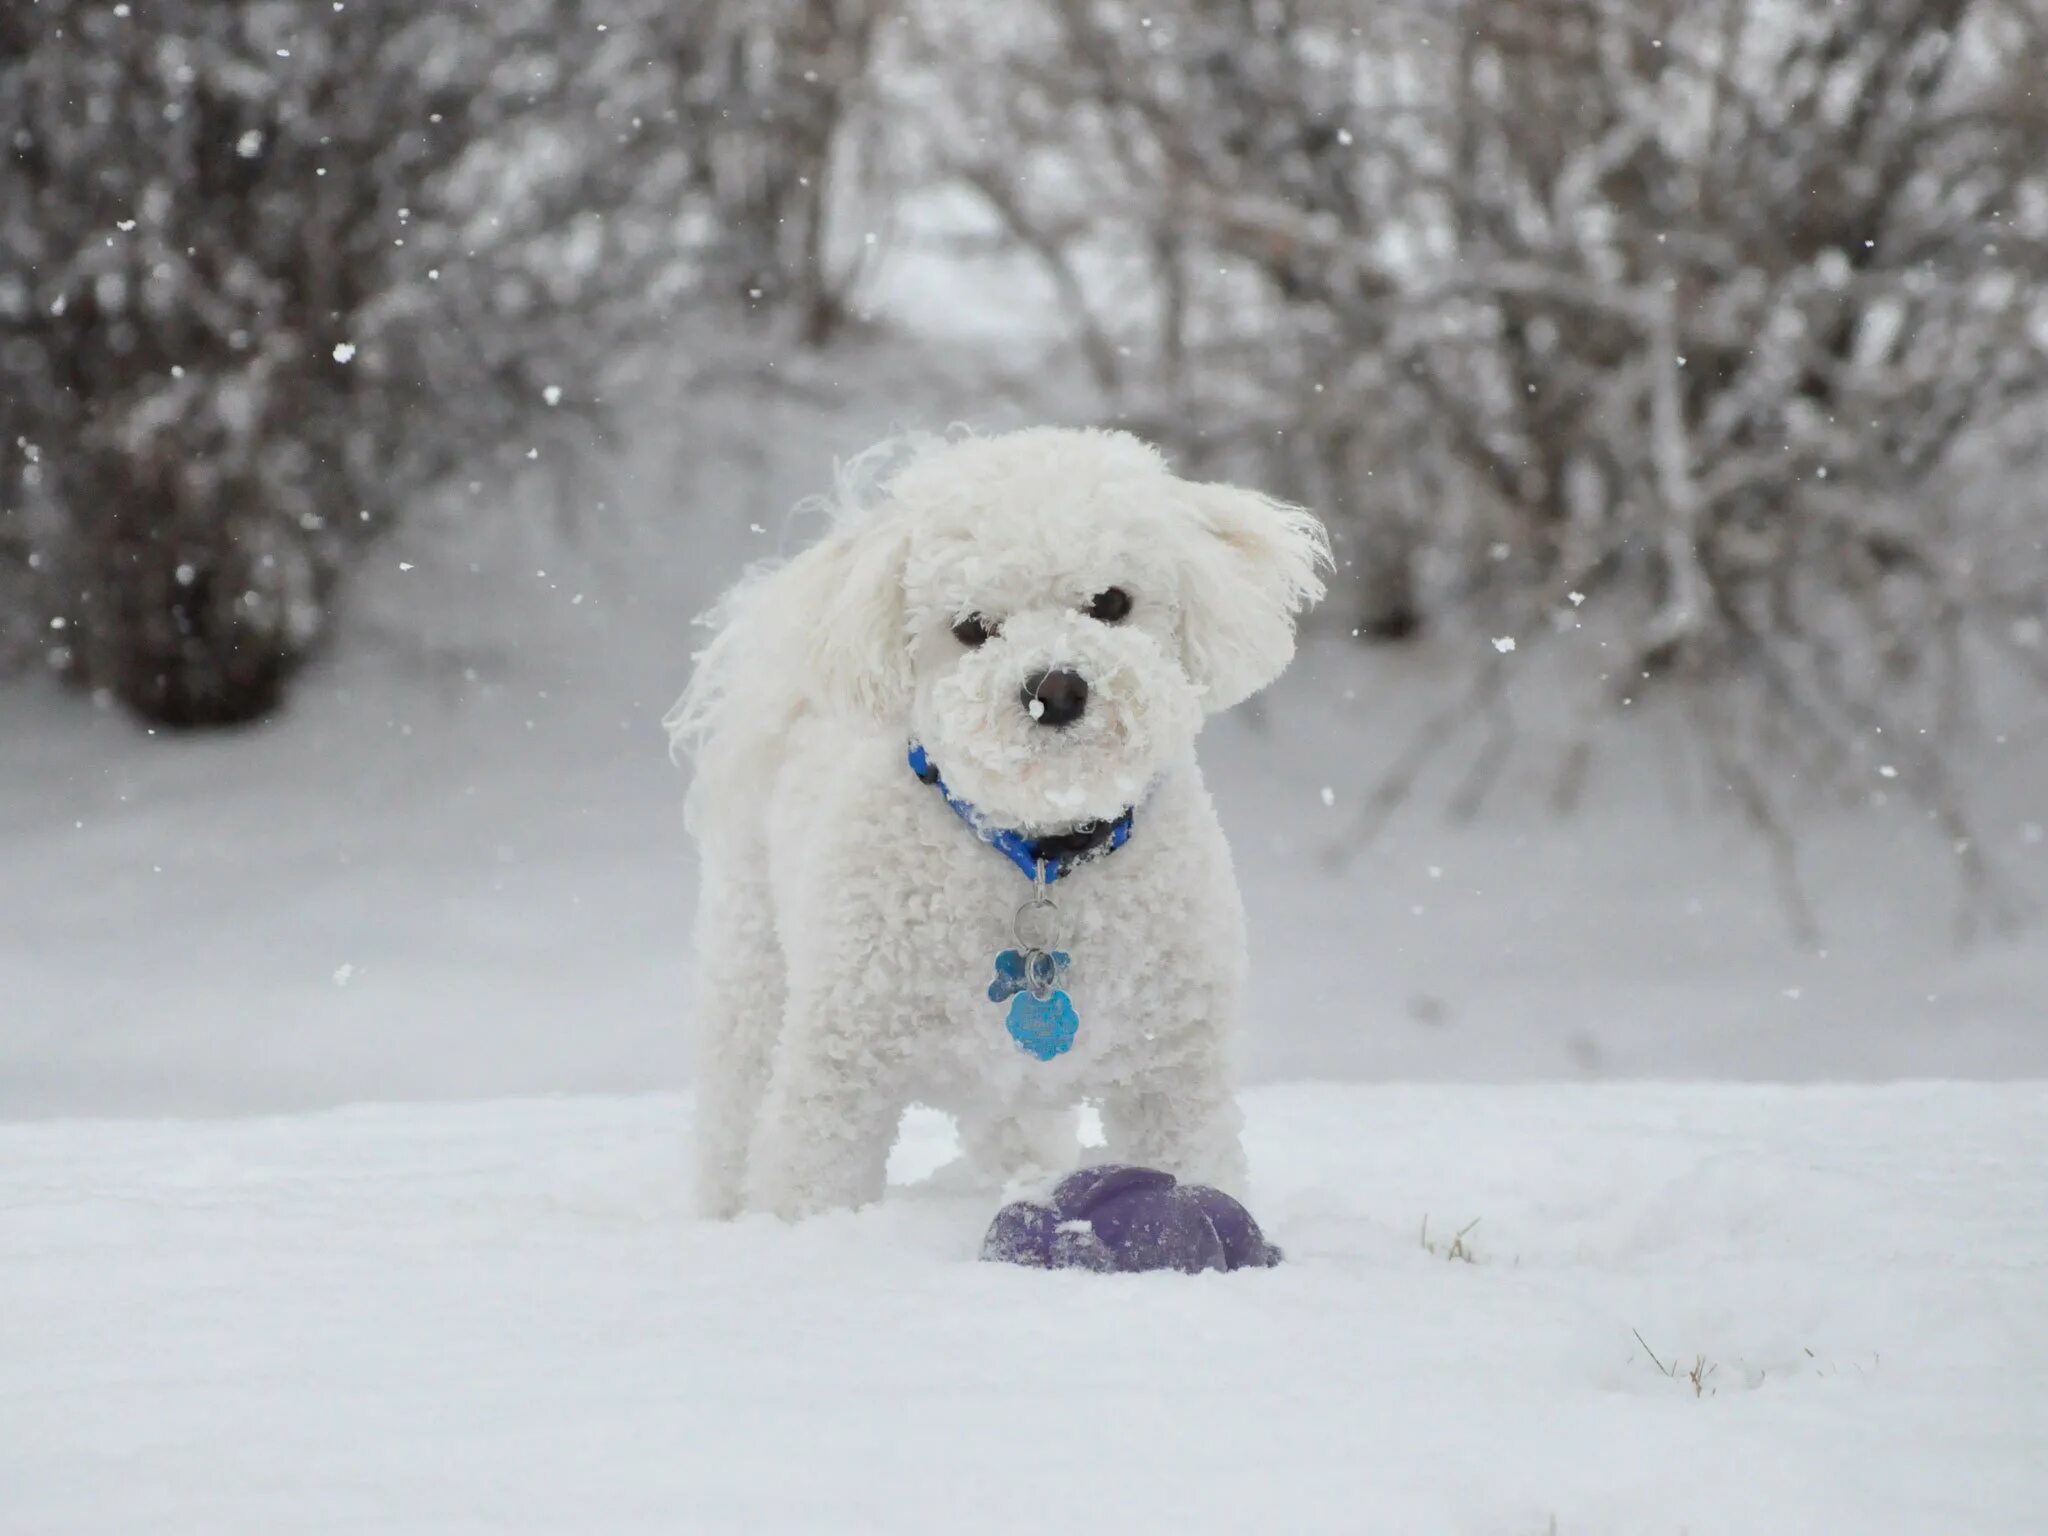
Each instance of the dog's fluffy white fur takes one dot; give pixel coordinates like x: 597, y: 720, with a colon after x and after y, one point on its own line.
x: 849, y: 920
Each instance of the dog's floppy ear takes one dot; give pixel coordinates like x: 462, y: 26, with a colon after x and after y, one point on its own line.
x: 845, y: 594
x: 1253, y: 565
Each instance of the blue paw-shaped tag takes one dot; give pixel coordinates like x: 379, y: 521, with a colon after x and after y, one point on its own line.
x: 1010, y: 977
x: 1046, y: 1028
x: 1042, y: 1018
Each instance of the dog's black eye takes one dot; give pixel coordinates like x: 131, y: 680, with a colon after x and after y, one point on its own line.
x: 1110, y: 607
x: 973, y: 630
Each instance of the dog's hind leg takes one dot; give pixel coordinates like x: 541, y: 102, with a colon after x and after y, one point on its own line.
x: 834, y: 1098
x: 740, y: 998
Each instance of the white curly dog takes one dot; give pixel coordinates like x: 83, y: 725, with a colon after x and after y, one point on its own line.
x: 961, y: 724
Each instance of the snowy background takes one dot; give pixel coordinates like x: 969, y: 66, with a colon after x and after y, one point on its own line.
x: 344, y: 1068
x: 455, y: 866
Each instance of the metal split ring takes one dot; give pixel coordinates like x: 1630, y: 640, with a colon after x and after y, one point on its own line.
x: 1041, y: 973
x: 1037, y: 926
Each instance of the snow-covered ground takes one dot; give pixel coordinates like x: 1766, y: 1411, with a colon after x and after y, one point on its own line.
x: 498, y: 1318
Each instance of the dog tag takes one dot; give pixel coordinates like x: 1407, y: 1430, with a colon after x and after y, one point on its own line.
x: 1036, y: 971
x: 1043, y: 1027
x: 1042, y: 1019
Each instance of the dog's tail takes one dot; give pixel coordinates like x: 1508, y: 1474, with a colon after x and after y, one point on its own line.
x: 750, y: 683
x: 716, y: 671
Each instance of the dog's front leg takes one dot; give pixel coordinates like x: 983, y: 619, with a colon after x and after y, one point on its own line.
x: 999, y: 1148
x: 833, y: 1105
x: 1183, y: 1119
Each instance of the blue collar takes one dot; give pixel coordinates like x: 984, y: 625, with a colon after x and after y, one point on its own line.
x: 1028, y: 854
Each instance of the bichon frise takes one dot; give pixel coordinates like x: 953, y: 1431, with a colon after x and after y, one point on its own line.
x: 956, y: 848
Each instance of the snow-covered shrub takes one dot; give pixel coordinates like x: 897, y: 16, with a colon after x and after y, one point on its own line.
x: 780, y: 106
x: 1719, y: 328
x: 272, y: 272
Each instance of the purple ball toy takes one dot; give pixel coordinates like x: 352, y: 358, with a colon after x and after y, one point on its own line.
x: 1119, y: 1218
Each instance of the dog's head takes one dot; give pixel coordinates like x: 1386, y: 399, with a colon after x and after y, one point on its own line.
x: 1052, y: 612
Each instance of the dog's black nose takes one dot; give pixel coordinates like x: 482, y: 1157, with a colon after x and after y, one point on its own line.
x: 1055, y: 698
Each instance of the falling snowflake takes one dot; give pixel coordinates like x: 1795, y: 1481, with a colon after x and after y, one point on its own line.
x: 1504, y: 644
x: 344, y: 350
